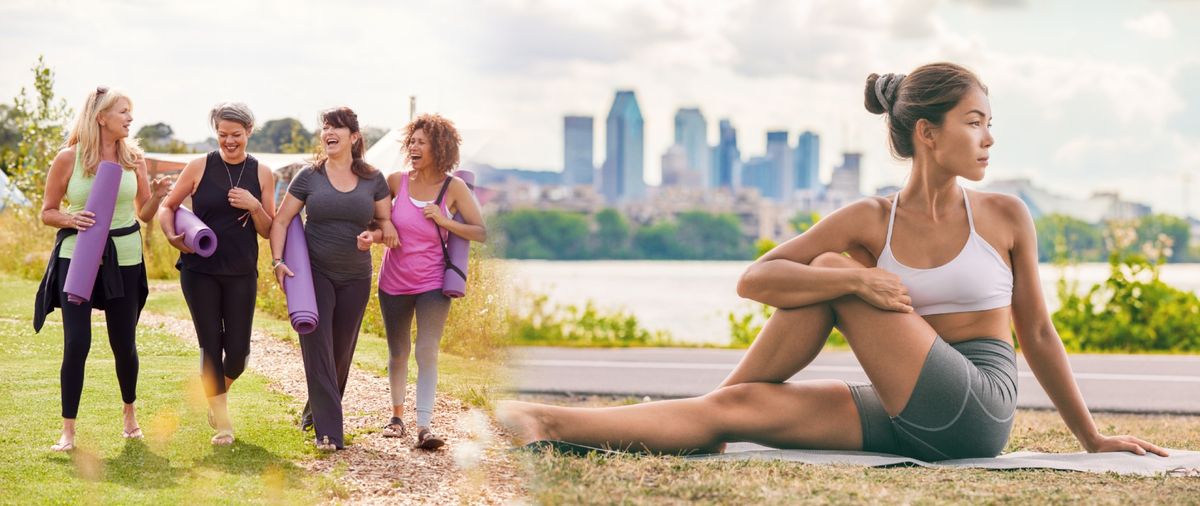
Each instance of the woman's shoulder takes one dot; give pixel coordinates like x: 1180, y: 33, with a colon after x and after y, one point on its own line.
x: 66, y: 154
x: 1006, y: 205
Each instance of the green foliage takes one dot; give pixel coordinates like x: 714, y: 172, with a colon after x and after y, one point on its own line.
x: 41, y: 123
x: 1152, y: 228
x: 1063, y: 238
x: 711, y: 236
x: 762, y: 246
x: 543, y: 325
x: 286, y: 135
x: 612, y: 237
x: 552, y: 235
x: 1133, y: 310
x: 657, y: 242
x: 160, y: 138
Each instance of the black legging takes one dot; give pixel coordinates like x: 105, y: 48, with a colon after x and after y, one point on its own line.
x: 329, y: 350
x: 223, y: 312
x: 121, y: 316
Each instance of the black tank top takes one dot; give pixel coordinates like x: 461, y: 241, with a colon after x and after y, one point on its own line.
x: 237, y: 244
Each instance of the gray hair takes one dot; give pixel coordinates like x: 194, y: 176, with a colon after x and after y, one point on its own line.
x: 236, y: 112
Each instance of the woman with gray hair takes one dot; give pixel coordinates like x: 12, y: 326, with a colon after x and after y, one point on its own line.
x: 227, y: 192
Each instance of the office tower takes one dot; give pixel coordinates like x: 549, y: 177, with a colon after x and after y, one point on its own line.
x: 578, y: 168
x: 621, y: 178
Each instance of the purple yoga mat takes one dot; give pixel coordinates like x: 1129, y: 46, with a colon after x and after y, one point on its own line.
x: 196, y: 235
x: 301, y: 296
x: 455, y: 286
x: 89, y: 244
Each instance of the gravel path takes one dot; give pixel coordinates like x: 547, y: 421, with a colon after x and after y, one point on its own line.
x: 473, y: 468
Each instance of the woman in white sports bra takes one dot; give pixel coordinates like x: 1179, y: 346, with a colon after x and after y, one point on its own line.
x: 925, y: 285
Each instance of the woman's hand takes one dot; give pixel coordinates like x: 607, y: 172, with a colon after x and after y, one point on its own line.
x: 391, y: 238
x: 177, y: 242
x: 884, y: 290
x: 433, y: 212
x: 365, y: 240
x: 1124, y: 444
x: 160, y: 186
x: 282, y: 271
x: 242, y: 199
x: 82, y: 220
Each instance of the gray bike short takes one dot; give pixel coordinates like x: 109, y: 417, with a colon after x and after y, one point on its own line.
x: 961, y: 407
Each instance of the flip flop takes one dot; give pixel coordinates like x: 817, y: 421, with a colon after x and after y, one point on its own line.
x: 223, y: 438
x: 136, y: 433
x: 62, y: 447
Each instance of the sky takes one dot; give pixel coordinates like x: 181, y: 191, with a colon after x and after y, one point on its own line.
x: 1086, y: 96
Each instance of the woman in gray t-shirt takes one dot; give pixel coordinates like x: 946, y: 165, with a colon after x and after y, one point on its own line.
x: 342, y: 194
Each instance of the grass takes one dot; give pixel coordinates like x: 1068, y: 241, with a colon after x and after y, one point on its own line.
x: 174, y: 463
x: 629, y: 479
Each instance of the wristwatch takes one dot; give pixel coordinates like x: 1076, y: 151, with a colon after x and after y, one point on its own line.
x: 275, y: 263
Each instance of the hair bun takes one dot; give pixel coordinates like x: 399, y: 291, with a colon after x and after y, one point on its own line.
x: 882, y: 91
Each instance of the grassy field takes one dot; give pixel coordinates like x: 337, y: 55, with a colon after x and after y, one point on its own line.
x: 627, y: 479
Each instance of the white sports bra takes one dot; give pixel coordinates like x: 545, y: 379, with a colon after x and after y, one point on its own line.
x: 975, y: 280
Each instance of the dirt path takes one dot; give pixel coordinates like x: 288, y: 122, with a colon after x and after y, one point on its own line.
x: 474, y: 467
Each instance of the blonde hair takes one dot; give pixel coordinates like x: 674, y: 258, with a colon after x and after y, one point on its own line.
x: 85, y: 135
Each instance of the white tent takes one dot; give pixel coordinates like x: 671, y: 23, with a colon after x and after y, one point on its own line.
x: 9, y: 194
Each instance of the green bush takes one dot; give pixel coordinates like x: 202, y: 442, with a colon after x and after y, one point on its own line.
x: 1133, y: 310
x: 541, y: 324
x: 744, y: 328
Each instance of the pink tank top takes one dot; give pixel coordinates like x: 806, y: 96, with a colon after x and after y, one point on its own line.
x: 417, y: 265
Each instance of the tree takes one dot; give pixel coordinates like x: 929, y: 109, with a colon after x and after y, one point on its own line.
x: 42, y: 124
x: 1177, y: 229
x: 802, y: 221
x: 160, y: 138
x: 557, y: 235
x: 657, y: 242
x: 711, y: 236
x: 612, y: 236
x: 1061, y: 238
x: 371, y: 135
x: 277, y: 133
x: 10, y: 135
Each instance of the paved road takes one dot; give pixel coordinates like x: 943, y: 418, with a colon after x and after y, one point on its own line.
x: 1120, y: 383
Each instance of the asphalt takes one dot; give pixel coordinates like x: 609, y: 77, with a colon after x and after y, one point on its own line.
x: 1109, y: 383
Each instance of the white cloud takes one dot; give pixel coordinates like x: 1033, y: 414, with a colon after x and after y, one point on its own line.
x: 1156, y: 25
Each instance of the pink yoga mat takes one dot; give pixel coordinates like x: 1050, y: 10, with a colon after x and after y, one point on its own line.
x: 196, y: 235
x: 454, y: 285
x: 89, y: 244
x: 301, y: 296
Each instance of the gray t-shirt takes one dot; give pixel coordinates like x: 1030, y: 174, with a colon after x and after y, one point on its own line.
x: 335, y: 219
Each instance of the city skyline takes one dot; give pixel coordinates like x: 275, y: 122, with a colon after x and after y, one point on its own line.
x: 1113, y: 103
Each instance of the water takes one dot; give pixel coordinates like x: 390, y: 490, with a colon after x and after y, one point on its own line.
x: 692, y: 300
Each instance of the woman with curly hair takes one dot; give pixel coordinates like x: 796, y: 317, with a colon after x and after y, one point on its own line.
x: 342, y: 194
x: 410, y: 279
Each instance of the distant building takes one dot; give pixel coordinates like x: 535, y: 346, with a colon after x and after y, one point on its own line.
x: 727, y: 157
x: 578, y: 166
x: 691, y: 133
x: 807, y: 159
x: 622, y: 175
x: 847, y: 177
x: 675, y: 169
x: 780, y: 154
x: 1099, y: 207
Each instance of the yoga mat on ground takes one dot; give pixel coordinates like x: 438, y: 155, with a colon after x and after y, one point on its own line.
x: 89, y: 244
x: 301, y: 296
x: 196, y: 235
x: 455, y: 285
x: 1180, y: 463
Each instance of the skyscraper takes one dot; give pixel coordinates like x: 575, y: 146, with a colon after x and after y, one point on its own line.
x: 846, y: 179
x: 728, y: 158
x: 807, y: 160
x: 780, y: 153
x: 691, y: 132
x: 578, y: 166
x: 621, y: 178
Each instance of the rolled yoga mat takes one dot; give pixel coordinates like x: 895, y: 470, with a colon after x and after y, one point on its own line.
x: 196, y: 235
x: 89, y: 244
x: 301, y: 296
x: 455, y: 285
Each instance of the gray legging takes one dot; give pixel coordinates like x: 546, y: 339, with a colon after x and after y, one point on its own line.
x: 431, y: 309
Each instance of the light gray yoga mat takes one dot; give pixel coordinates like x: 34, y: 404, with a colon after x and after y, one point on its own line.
x: 1180, y: 463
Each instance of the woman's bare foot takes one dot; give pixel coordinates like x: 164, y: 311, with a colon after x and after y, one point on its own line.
x: 65, y: 443
x: 521, y: 420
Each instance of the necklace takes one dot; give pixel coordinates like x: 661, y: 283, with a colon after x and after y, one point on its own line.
x: 245, y: 217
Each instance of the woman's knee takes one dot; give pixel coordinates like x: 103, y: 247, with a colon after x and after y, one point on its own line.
x: 830, y: 259
x: 734, y: 397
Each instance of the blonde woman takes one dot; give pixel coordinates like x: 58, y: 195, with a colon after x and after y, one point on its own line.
x: 101, y: 133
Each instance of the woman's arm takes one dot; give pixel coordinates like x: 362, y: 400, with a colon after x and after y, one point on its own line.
x: 56, y: 186
x: 264, y: 214
x: 184, y: 187
x: 462, y: 201
x: 149, y: 193
x: 1041, y: 345
x: 783, y: 278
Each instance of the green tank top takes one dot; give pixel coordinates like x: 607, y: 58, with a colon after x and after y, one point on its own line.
x: 129, y: 247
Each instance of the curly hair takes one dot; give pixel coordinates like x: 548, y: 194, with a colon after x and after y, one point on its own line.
x: 443, y: 138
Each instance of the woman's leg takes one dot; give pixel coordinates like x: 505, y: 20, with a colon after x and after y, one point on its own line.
x: 320, y: 373
x: 121, y: 316
x: 808, y: 414
x: 239, y: 294
x: 432, y: 309
x: 205, y: 300
x: 789, y: 341
x: 77, y: 341
x: 397, y: 313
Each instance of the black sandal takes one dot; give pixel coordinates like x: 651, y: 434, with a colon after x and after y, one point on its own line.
x: 394, y: 428
x: 427, y: 441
